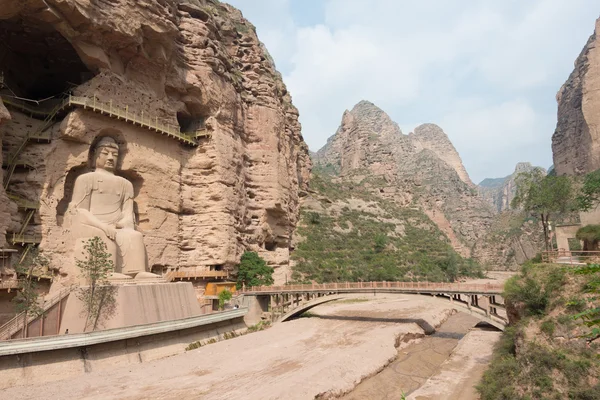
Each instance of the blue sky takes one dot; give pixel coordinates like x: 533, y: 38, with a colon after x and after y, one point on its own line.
x: 486, y: 71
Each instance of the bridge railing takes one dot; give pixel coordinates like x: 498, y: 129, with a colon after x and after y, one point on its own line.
x: 492, y: 288
x: 563, y: 256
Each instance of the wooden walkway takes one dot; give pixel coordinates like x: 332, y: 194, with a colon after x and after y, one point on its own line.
x: 197, y: 273
x: 61, y: 107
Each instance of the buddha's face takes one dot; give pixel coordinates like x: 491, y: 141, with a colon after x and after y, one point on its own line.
x: 106, y: 158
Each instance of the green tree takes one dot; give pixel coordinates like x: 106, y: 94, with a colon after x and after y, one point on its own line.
x: 590, y: 192
x: 98, y: 297
x: 224, y: 297
x: 590, y: 235
x: 27, y: 299
x: 254, y: 271
x: 544, y: 196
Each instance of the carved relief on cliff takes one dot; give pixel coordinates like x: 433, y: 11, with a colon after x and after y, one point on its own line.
x: 184, y: 65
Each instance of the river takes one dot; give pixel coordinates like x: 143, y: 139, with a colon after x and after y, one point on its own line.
x: 418, y: 362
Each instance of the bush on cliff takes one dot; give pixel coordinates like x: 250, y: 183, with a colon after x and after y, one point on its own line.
x: 253, y: 271
x: 546, y: 352
x: 363, y: 237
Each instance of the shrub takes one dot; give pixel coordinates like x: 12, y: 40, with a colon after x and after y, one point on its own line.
x: 527, y: 291
x: 548, y: 327
x: 224, y: 297
x: 314, y: 218
x: 254, y: 271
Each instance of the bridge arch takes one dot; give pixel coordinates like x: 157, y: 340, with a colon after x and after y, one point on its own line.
x: 460, y: 305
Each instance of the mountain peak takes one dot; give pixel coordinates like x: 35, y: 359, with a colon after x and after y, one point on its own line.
x: 432, y: 137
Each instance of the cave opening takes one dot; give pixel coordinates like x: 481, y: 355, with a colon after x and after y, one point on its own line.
x: 37, y: 62
x: 189, y: 123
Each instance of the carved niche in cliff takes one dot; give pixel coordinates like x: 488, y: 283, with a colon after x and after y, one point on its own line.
x: 102, y: 205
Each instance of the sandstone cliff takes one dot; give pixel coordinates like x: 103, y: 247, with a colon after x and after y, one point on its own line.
x: 501, y: 191
x: 185, y: 63
x: 4, y: 203
x: 422, y: 169
x: 576, y: 141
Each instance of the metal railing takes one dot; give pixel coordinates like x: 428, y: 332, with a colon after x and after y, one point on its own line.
x: 487, y: 288
x: 17, y: 323
x: 23, y: 203
x: 18, y: 238
x: 575, y: 257
x: 25, y: 107
x: 197, y: 273
x: 134, y: 118
x: 108, y: 108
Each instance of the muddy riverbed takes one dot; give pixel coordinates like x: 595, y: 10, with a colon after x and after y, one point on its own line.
x: 419, y: 361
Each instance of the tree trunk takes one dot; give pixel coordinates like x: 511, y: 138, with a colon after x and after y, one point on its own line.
x: 545, y: 225
x: 24, y: 335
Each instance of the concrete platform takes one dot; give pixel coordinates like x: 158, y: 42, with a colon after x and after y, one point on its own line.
x: 135, y: 304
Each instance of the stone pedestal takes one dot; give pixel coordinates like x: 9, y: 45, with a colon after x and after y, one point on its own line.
x: 135, y: 304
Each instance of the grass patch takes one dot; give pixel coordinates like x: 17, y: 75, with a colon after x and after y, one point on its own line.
x: 262, y: 325
x: 379, y: 241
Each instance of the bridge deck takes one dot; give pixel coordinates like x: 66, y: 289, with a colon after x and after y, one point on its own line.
x: 384, y: 287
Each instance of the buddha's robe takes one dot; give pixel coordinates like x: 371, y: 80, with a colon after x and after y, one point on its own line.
x: 99, y: 198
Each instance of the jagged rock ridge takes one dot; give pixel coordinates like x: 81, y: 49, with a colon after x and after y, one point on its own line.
x: 423, y: 170
x: 501, y: 191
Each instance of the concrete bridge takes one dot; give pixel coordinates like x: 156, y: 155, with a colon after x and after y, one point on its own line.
x: 290, y: 301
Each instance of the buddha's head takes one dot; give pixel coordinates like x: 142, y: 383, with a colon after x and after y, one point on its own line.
x: 106, y: 154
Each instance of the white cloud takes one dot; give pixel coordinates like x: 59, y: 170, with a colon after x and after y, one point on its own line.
x: 487, y: 136
x: 485, y: 70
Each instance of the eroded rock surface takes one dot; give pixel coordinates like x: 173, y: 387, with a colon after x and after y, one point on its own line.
x: 180, y: 62
x: 4, y: 203
x: 421, y: 169
x: 500, y: 192
x: 576, y: 141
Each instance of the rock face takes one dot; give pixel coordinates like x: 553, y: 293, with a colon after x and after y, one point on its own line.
x: 576, y: 141
x: 432, y: 137
x: 501, y: 191
x: 423, y: 172
x: 421, y: 169
x: 5, y: 206
x: 185, y: 63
